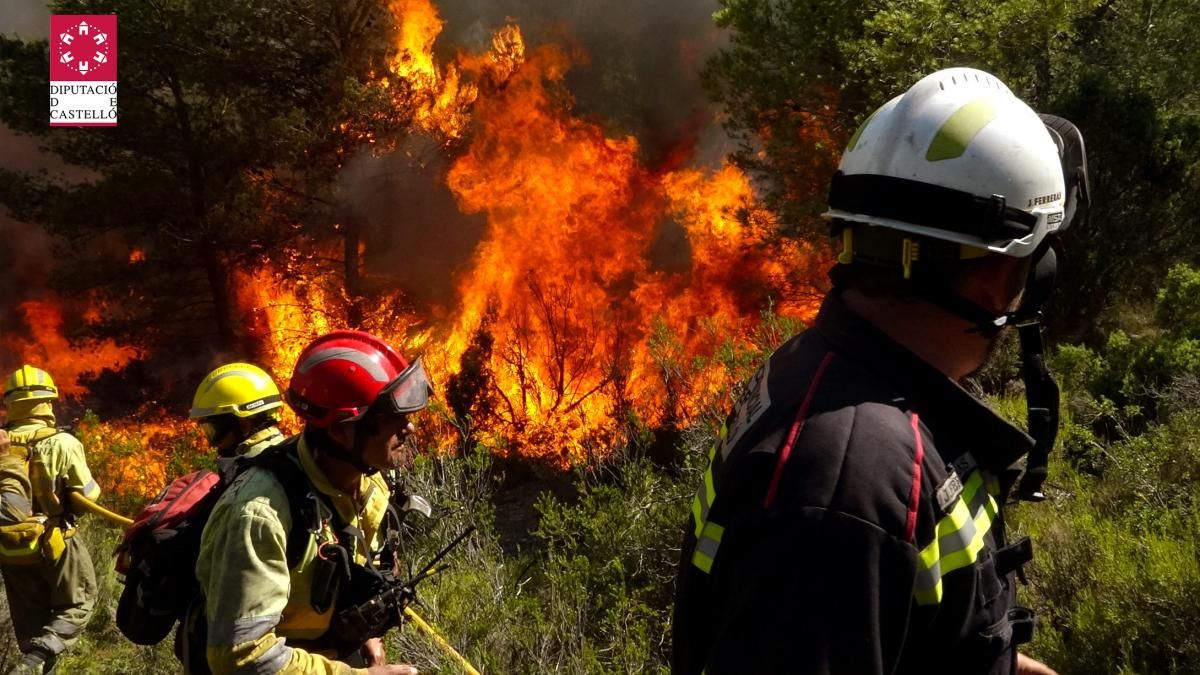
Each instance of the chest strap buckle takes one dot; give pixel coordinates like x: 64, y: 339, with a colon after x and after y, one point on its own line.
x: 1021, y: 619
x: 1013, y: 557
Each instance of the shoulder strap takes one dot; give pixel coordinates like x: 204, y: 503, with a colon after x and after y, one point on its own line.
x: 283, y: 462
x: 28, y: 440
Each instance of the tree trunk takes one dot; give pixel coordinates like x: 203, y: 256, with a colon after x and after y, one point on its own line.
x: 222, y: 297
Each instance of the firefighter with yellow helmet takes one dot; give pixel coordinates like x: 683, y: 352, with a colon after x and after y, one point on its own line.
x: 237, y: 407
x: 48, y: 577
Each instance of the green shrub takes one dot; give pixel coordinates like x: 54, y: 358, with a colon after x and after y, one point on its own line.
x: 593, y: 592
x: 1116, y: 578
x: 1154, y: 369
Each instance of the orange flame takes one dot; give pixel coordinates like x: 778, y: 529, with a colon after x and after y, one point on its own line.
x: 572, y: 330
x: 563, y: 280
x: 444, y: 94
x: 49, y: 349
x: 133, y: 458
x: 570, y: 321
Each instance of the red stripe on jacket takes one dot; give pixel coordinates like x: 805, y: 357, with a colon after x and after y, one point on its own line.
x: 794, y: 432
x: 910, y: 526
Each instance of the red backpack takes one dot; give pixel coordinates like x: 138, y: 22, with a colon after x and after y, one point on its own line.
x: 158, y: 554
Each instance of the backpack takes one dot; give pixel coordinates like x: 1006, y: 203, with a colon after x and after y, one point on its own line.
x: 36, y: 539
x: 159, y: 551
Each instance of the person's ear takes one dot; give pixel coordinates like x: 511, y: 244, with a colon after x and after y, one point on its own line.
x: 342, y: 434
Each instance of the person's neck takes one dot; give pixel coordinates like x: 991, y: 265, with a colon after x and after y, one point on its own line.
x: 341, y: 474
x: 936, y: 336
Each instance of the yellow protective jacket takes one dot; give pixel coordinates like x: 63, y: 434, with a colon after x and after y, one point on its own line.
x: 259, y: 441
x: 251, y: 447
x: 15, y: 492
x: 252, y: 599
x: 57, y: 465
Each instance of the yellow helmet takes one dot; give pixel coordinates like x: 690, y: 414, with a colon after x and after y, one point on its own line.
x: 239, y: 389
x: 28, y: 383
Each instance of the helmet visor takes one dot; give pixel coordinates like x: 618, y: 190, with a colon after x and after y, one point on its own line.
x: 1073, y: 154
x: 410, y: 391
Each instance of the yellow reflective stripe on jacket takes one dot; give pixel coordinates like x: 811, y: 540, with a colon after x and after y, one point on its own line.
x: 708, y: 535
x: 705, y: 495
x: 706, y: 546
x: 957, y: 541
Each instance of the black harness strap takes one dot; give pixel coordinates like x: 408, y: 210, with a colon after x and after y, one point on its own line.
x: 283, y: 462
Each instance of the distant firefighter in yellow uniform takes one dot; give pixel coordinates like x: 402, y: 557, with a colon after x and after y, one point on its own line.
x: 51, y: 586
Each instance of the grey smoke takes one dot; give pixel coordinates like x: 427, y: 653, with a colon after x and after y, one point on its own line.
x: 643, y: 77
x: 417, y: 240
x: 26, y: 19
x: 25, y: 257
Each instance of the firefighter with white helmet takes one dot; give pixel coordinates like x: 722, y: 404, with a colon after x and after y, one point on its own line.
x: 851, y: 517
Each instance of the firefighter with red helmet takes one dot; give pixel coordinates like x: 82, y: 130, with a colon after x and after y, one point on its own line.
x: 268, y: 600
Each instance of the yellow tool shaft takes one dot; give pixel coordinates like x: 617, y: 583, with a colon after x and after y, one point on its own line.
x: 441, y: 641
x: 92, y: 507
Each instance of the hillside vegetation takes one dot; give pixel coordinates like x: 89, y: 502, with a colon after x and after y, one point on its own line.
x: 1115, y: 580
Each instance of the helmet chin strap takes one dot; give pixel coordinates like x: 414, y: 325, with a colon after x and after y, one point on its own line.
x: 1041, y: 390
x: 984, y: 322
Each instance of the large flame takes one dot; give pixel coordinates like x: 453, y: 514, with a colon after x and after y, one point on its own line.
x: 47, y: 347
x: 442, y: 96
x: 606, y: 295
x: 567, y: 328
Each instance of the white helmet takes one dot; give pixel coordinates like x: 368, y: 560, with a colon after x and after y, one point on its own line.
x: 956, y: 158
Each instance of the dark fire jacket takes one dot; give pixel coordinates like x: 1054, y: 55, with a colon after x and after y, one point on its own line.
x: 850, y: 521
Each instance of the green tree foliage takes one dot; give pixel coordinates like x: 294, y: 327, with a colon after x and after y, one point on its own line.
x: 1152, y: 373
x: 1116, y: 578
x: 794, y: 64
x: 797, y: 74
x: 234, y: 116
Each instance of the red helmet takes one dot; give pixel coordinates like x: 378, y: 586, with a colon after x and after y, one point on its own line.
x: 342, y: 374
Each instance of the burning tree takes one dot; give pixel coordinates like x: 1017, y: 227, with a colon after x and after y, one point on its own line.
x: 234, y: 119
x: 605, y: 289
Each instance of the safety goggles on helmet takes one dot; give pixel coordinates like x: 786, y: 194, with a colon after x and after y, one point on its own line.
x: 409, y: 391
x: 1071, y: 149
